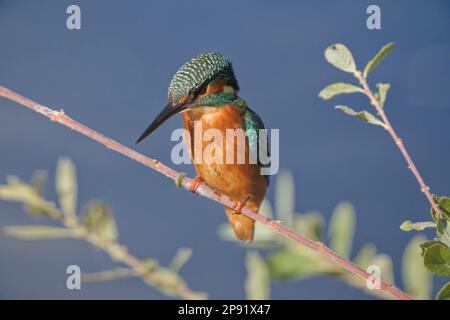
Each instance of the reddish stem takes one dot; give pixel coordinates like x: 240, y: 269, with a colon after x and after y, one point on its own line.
x: 399, y: 142
x: 203, y: 189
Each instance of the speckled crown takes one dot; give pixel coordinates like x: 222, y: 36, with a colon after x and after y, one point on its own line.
x: 200, y: 70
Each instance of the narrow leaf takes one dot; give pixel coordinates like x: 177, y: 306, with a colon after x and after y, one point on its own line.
x: 416, y: 278
x: 365, y: 255
x: 384, y: 262
x: 437, y: 258
x: 383, y: 89
x: 310, y: 225
x: 338, y: 88
x: 378, y: 57
x: 363, y: 115
x: 98, y: 220
x: 408, y: 225
x: 108, y: 275
x: 18, y: 191
x: 286, y: 265
x: 339, y: 56
x: 257, y: 284
x: 285, y: 198
x: 264, y: 237
x: 37, y: 184
x: 342, y: 229
x: 66, y: 186
x: 36, y: 232
x: 179, y: 260
x: 38, y: 181
x: 444, y: 292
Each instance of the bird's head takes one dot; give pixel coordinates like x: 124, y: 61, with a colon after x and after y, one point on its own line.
x: 202, y: 76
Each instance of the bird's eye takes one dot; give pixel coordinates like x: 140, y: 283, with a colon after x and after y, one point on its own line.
x: 201, y: 90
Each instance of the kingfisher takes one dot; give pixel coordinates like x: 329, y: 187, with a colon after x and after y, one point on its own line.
x: 205, y: 90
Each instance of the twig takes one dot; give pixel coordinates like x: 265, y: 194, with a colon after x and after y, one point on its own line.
x: 163, y: 279
x: 399, y: 142
x: 204, y: 190
x: 119, y: 253
x: 108, y: 275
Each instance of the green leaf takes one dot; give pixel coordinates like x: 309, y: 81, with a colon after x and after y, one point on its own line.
x: 166, y: 280
x: 108, y: 275
x: 18, y: 191
x: 179, y: 260
x: 285, y: 198
x: 38, y: 181
x: 257, y: 284
x: 264, y: 237
x: 444, y: 202
x: 98, y: 220
x: 378, y: 57
x: 436, y: 257
x: 442, y: 223
x: 444, y: 205
x: 342, y: 229
x: 338, y: 88
x: 66, y: 186
x: 266, y: 209
x: 363, y: 115
x: 408, y: 225
x: 444, y: 292
x: 383, y: 89
x: 339, y: 56
x: 285, y: 265
x: 416, y: 278
x: 365, y: 255
x: 424, y: 246
x: 37, y: 184
x: 384, y: 262
x: 310, y: 225
x: 36, y: 232
x: 443, y: 231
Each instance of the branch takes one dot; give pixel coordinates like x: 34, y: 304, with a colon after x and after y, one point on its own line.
x: 99, y: 232
x: 203, y: 189
x: 411, y: 166
x: 158, y: 277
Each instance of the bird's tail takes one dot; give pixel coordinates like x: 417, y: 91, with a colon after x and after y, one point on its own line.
x: 242, y: 225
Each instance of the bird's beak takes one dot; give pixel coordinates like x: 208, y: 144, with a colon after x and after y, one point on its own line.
x: 169, y: 110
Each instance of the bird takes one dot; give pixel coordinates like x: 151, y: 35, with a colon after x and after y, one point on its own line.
x: 205, y: 90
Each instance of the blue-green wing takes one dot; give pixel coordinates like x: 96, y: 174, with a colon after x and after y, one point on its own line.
x: 253, y: 122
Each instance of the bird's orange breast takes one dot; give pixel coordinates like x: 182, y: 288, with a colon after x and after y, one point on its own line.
x: 233, y: 179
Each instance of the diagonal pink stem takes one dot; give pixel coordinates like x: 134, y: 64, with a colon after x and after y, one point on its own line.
x: 204, y: 190
x: 399, y: 142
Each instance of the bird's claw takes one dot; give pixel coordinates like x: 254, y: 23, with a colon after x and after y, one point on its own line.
x: 195, y: 184
x: 240, y: 204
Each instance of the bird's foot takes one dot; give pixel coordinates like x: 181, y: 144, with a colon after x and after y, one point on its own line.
x: 195, y: 184
x: 240, y: 204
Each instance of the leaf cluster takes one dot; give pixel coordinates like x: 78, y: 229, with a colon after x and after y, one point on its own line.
x: 435, y: 253
x: 95, y: 224
x: 271, y: 257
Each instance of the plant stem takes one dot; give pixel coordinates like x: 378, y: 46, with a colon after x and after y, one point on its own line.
x: 203, y: 189
x: 399, y: 142
x: 167, y: 281
x: 119, y: 253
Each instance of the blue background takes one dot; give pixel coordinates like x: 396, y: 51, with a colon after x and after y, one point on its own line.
x: 113, y: 76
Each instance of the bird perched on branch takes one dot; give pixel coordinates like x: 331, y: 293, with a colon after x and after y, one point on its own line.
x: 204, y: 91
